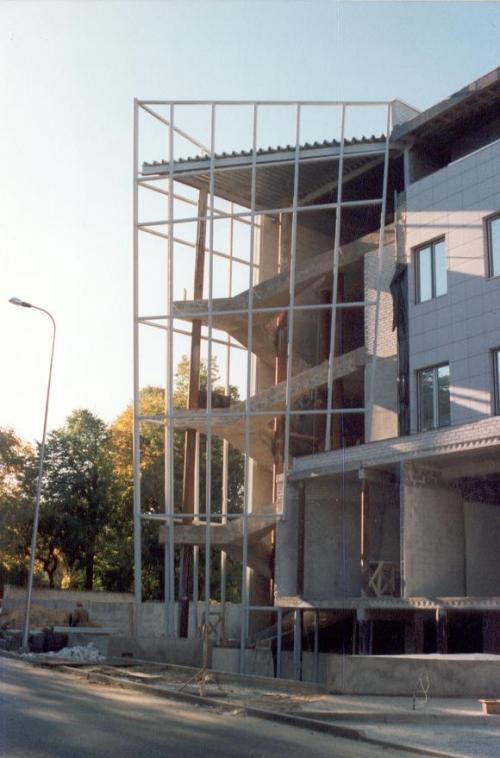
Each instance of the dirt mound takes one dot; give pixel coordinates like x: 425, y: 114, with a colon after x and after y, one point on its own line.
x: 40, y: 617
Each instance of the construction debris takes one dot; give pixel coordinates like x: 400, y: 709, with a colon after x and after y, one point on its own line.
x: 79, y: 653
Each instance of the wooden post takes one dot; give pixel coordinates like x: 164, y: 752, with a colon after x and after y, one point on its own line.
x: 189, y: 480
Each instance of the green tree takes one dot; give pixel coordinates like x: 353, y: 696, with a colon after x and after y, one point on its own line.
x: 17, y: 495
x: 152, y: 403
x: 78, y: 492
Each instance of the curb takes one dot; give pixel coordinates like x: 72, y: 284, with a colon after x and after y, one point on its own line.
x: 300, y: 722
x: 276, y: 716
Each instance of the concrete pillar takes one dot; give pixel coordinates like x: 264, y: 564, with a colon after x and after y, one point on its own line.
x: 414, y: 635
x: 491, y: 632
x: 441, y: 631
x: 297, y: 644
x: 365, y: 633
x: 316, y: 645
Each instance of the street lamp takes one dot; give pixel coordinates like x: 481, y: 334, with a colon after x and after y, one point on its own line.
x: 27, y: 613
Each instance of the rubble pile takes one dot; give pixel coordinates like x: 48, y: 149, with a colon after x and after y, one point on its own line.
x: 80, y: 653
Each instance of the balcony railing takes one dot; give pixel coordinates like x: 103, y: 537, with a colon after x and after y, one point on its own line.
x: 381, y: 578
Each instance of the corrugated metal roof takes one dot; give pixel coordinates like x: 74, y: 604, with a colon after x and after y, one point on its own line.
x: 287, y: 152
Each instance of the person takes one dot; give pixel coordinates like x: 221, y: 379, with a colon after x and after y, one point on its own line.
x: 79, y: 617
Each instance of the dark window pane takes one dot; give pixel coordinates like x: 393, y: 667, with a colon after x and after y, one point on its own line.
x: 494, y: 244
x: 424, y: 274
x: 426, y: 390
x: 443, y: 380
x: 441, y: 286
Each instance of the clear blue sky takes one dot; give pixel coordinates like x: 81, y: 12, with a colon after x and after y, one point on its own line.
x: 70, y: 71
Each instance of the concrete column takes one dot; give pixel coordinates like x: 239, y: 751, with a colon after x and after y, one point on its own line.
x: 441, y: 631
x: 414, y: 635
x: 365, y: 633
x: 297, y: 644
x: 491, y: 635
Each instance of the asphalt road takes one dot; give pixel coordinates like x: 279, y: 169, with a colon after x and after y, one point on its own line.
x: 45, y: 713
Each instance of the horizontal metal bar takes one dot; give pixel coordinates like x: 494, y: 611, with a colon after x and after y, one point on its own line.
x: 202, y: 516
x: 176, y: 129
x: 186, y: 243
x: 220, y: 214
x: 269, y: 212
x: 201, y: 415
x: 181, y: 315
x: 354, y: 103
x: 263, y: 160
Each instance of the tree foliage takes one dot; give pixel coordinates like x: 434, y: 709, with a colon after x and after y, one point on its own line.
x: 17, y: 492
x: 86, y: 518
x: 78, y: 492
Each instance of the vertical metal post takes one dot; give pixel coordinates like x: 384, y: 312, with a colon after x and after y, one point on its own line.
x: 208, y: 467
x: 225, y: 447
x: 291, y: 304
x: 371, y: 396
x: 336, y: 251
x: 196, y: 548
x: 34, y: 532
x: 247, y: 497
x: 169, y: 391
x: 136, y: 397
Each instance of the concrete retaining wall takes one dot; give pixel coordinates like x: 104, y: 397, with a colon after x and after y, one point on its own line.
x: 449, y: 676
x: 116, y: 610
x: 111, y: 609
x: 177, y: 651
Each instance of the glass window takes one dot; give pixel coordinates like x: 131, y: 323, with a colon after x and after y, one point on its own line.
x: 430, y: 262
x: 493, y: 239
x: 434, y: 397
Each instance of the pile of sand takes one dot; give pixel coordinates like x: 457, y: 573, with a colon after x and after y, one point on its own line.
x: 40, y: 617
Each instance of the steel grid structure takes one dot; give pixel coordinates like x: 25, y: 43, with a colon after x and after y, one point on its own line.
x: 165, y: 179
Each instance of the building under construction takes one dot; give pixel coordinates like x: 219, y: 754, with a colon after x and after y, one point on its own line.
x: 338, y: 300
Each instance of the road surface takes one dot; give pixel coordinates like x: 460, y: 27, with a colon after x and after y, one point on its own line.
x: 45, y: 713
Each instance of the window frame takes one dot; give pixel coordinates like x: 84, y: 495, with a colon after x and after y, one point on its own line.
x: 435, y: 397
x: 416, y: 259
x: 488, y: 220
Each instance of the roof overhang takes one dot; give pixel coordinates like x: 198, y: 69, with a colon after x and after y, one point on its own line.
x: 478, y: 101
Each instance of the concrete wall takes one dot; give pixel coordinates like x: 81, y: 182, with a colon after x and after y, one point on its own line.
x: 463, y: 326
x: 332, y: 539
x: 285, y: 562
x: 450, y: 676
x: 383, y: 341
x: 482, y: 540
x: 383, y: 522
x: 116, y: 610
x: 258, y: 663
x: 111, y: 609
x: 433, y: 535
x: 181, y: 652
x: 153, y: 619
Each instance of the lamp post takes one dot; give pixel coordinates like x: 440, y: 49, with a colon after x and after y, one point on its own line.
x: 27, y: 613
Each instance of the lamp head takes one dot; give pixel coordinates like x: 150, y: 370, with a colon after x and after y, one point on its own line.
x: 18, y: 301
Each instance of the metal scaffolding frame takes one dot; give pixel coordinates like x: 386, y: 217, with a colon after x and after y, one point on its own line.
x: 164, y: 229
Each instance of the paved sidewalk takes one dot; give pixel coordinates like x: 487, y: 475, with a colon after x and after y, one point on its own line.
x: 455, y: 726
